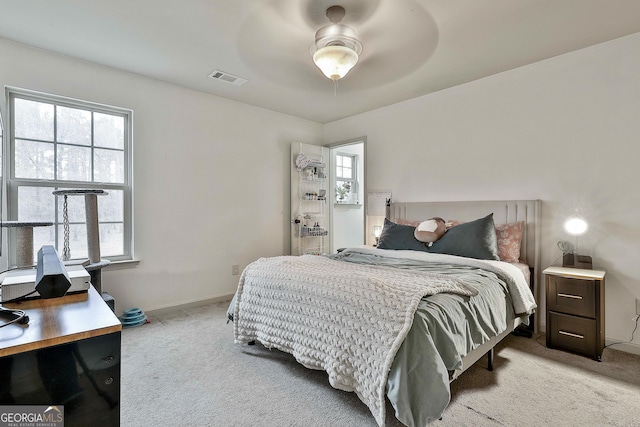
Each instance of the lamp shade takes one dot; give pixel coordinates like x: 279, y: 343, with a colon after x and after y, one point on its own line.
x: 335, y: 61
x: 575, y: 226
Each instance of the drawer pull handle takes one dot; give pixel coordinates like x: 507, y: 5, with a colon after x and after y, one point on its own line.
x: 570, y: 296
x: 571, y: 335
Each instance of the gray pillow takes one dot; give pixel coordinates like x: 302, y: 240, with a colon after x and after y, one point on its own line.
x: 396, y: 236
x: 475, y: 239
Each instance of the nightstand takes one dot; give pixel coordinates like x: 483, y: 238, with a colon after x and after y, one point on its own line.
x: 575, y: 310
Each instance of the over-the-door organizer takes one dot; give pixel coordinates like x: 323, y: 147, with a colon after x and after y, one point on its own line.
x: 309, y: 223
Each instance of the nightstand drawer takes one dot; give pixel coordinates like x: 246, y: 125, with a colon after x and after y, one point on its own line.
x: 573, y: 333
x: 572, y: 296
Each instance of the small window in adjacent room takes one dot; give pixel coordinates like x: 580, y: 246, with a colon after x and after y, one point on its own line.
x: 60, y: 143
x: 346, y: 181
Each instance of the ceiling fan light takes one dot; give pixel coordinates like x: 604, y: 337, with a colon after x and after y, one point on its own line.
x: 335, y: 61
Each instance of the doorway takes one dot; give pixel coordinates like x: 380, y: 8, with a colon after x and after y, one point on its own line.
x: 347, y: 189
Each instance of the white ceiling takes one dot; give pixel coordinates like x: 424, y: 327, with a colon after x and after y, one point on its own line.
x: 411, y: 47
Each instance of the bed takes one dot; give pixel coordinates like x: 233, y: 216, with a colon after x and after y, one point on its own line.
x: 400, y: 321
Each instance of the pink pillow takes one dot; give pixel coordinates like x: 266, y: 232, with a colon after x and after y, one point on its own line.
x: 509, y: 238
x: 408, y: 222
x: 452, y: 223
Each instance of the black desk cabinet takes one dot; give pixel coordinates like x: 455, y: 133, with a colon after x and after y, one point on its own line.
x: 68, y: 355
x: 83, y: 376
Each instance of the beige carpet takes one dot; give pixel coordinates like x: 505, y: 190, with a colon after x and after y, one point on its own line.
x: 182, y: 369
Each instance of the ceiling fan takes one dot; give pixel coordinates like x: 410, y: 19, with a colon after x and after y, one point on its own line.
x: 336, y: 48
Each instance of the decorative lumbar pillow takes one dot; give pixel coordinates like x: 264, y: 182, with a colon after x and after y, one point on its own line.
x: 399, y: 237
x: 475, y: 239
x: 430, y: 230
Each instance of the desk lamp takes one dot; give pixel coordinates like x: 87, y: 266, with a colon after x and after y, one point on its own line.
x: 52, y: 278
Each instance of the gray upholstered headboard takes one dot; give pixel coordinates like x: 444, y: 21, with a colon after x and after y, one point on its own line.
x: 504, y: 211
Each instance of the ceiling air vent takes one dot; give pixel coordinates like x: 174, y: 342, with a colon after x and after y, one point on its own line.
x: 228, y: 78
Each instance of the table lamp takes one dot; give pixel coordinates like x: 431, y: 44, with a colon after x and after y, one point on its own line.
x: 377, y: 231
x: 576, y: 226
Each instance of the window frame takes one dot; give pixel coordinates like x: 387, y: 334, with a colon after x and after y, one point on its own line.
x: 352, y: 200
x: 12, y: 183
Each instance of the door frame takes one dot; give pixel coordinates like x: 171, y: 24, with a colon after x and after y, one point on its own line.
x: 331, y: 146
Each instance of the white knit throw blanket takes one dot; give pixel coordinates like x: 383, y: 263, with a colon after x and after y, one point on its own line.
x: 348, y: 320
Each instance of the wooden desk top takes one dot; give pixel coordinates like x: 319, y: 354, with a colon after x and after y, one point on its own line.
x: 58, y: 321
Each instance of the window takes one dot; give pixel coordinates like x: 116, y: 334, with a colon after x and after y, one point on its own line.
x: 346, y: 178
x: 57, y: 143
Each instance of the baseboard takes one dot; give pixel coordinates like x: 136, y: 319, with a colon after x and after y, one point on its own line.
x: 627, y: 347
x: 194, y: 304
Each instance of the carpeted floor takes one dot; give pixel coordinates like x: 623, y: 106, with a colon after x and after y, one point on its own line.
x: 182, y: 369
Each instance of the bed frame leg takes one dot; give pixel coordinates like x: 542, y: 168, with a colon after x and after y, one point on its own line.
x: 490, y: 360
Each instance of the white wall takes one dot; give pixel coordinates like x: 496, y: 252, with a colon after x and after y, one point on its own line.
x: 565, y: 130
x: 211, y: 176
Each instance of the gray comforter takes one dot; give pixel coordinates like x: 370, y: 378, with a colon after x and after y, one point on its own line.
x: 445, y: 326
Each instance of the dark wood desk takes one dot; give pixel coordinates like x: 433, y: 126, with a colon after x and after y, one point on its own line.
x: 68, y: 355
